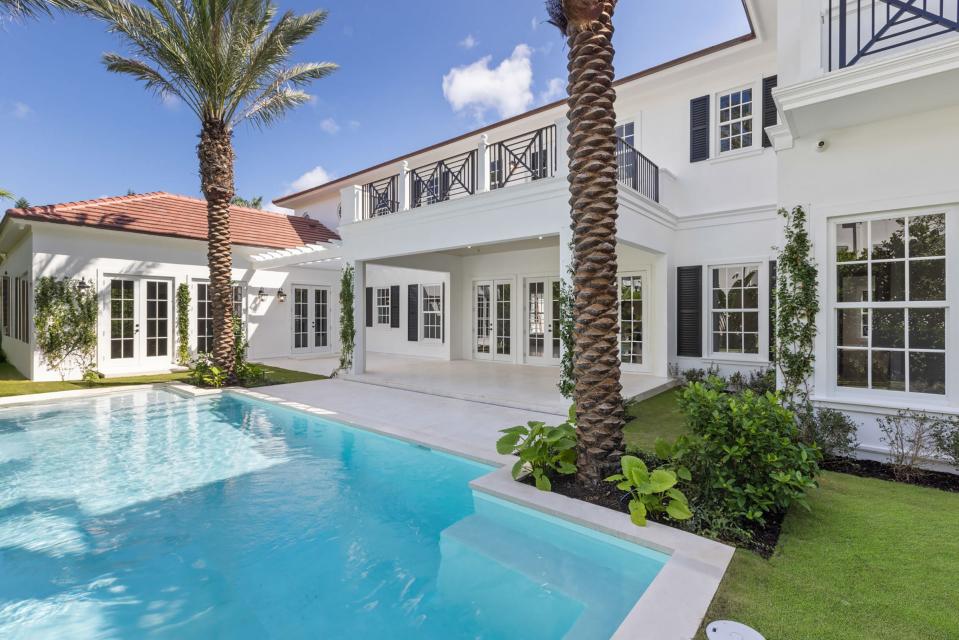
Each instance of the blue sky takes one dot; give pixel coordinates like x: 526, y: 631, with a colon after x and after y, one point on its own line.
x: 412, y: 73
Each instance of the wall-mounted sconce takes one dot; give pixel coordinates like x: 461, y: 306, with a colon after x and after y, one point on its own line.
x: 261, y: 295
x: 83, y: 285
x: 281, y: 295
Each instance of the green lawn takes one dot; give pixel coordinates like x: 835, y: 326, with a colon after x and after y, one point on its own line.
x: 872, y: 560
x: 14, y: 384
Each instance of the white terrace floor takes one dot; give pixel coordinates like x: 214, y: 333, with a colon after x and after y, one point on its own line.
x: 523, y: 387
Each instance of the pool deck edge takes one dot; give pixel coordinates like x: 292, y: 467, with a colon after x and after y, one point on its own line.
x: 674, y: 605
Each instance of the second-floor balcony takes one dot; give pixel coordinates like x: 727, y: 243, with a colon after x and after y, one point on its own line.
x: 863, y: 30
x: 522, y: 159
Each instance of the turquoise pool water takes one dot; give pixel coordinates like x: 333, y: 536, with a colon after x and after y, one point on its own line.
x: 144, y: 514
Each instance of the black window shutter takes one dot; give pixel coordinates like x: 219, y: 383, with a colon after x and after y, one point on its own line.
x: 699, y: 129
x: 770, y: 117
x: 772, y: 310
x: 369, y: 306
x: 689, y: 317
x: 412, y: 312
x: 395, y: 307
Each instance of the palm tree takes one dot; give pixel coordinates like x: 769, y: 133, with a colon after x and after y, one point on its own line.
x: 22, y: 203
x: 5, y: 195
x: 252, y: 203
x: 588, y: 27
x: 229, y: 62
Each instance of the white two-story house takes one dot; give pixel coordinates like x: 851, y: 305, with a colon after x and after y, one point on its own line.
x: 847, y: 108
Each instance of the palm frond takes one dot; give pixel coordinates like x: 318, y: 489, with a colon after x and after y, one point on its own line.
x: 270, y: 107
x: 17, y: 9
x: 557, y: 15
x: 5, y: 195
x: 227, y: 59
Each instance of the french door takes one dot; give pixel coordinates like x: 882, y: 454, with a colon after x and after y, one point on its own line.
x: 633, y: 320
x: 311, y: 319
x: 139, y: 324
x: 542, y: 318
x: 493, y: 320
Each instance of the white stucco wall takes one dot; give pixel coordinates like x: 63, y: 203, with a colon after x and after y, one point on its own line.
x: 96, y: 255
x: 18, y: 263
x: 382, y: 338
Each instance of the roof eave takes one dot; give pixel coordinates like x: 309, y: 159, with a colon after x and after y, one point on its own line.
x: 289, y: 200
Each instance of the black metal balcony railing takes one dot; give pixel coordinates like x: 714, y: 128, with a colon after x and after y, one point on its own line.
x: 531, y: 156
x: 636, y: 170
x: 380, y: 198
x: 444, y: 180
x: 862, y: 28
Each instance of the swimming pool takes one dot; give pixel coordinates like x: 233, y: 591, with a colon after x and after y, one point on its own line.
x: 148, y: 514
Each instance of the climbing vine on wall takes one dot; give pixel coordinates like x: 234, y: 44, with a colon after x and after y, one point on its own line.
x: 65, y: 323
x: 567, y: 382
x: 797, y: 305
x: 183, y: 324
x: 347, y: 320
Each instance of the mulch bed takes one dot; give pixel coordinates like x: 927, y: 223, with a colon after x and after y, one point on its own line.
x: 607, y: 495
x: 885, y: 471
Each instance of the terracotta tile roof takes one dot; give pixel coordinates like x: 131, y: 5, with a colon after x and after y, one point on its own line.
x: 166, y: 214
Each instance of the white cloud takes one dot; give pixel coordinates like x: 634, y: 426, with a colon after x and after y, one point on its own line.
x: 269, y: 206
x: 469, y: 42
x: 535, y: 23
x: 312, y: 178
x: 354, y: 124
x: 20, y: 110
x: 170, y: 101
x: 330, y: 125
x: 506, y: 88
x: 555, y: 89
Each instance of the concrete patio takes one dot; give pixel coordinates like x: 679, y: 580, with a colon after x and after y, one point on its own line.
x: 524, y: 387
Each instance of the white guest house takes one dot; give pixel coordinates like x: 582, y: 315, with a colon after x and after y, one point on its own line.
x: 850, y: 109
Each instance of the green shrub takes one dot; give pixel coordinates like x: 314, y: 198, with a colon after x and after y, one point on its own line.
x: 250, y: 374
x: 650, y: 492
x: 542, y: 448
x: 832, y: 431
x: 911, y: 438
x: 204, y: 373
x: 745, y: 451
x: 946, y: 437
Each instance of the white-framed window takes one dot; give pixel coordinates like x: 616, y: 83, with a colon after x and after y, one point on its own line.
x: 432, y: 312
x: 204, y: 314
x: 734, y: 119
x: 627, y: 133
x: 734, y: 313
x: 891, y: 303
x: 5, y: 313
x: 383, y: 306
x: 239, y: 302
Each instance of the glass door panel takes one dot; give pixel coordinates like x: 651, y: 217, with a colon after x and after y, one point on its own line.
x: 301, y: 318
x: 157, y: 319
x: 482, y: 316
x: 536, y: 318
x: 123, y: 327
x: 321, y: 322
x: 504, y: 320
x: 631, y: 320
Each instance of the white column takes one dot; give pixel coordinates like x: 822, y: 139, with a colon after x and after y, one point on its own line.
x: 482, y: 165
x: 403, y: 188
x: 562, y: 147
x: 359, y: 316
x: 351, y: 204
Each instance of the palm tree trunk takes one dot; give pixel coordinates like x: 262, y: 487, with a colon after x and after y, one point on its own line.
x: 216, y: 178
x: 593, y: 190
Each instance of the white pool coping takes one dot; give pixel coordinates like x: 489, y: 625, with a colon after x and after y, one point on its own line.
x: 671, y: 608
